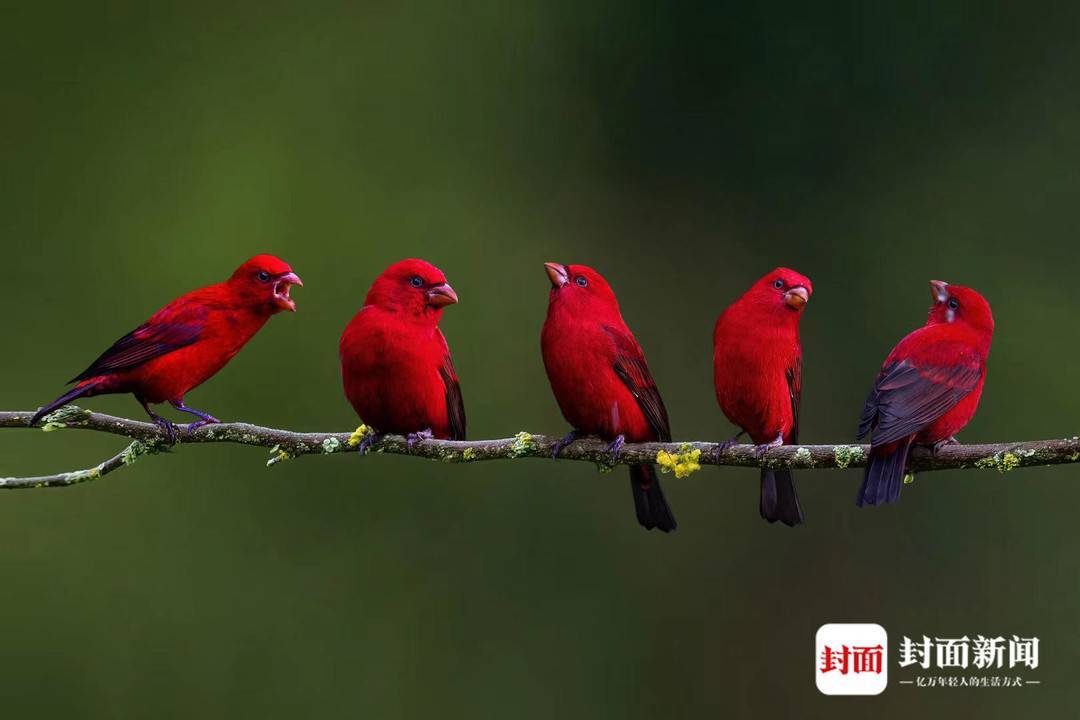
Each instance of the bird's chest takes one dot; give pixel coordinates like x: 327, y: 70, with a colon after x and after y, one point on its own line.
x: 752, y: 386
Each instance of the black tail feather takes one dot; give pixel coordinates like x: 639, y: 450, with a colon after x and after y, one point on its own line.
x: 884, y: 476
x: 76, y: 392
x: 652, y: 509
x: 779, y: 501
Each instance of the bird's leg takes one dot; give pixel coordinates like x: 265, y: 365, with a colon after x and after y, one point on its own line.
x: 415, y: 437
x: 166, y: 426
x: 942, y: 443
x: 615, y: 448
x: 726, y: 445
x: 205, y: 418
x: 762, y: 449
x: 560, y: 445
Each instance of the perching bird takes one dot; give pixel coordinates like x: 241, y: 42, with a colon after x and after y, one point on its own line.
x: 186, y: 342
x: 928, y: 388
x: 601, y: 381
x: 395, y: 362
x: 757, y: 371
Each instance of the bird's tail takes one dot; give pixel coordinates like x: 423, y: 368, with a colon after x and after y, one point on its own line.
x: 884, y: 476
x: 779, y: 501
x: 652, y: 509
x: 87, y: 387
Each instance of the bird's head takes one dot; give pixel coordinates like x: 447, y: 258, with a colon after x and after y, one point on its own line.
x: 579, y: 286
x: 782, y: 290
x: 264, y: 281
x: 959, y: 304
x: 412, y: 286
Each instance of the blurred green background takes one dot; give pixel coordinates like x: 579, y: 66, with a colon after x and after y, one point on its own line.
x: 683, y: 152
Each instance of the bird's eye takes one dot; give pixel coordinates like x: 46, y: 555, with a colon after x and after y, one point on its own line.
x: 953, y: 304
x: 778, y: 284
x: 415, y: 281
x: 263, y: 276
x: 581, y: 281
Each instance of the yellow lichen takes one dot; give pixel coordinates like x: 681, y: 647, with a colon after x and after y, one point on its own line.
x: 683, y: 463
x: 358, y: 435
x: 468, y: 454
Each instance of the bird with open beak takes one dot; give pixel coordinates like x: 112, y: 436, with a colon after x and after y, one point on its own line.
x: 395, y: 363
x: 189, y: 340
x: 757, y: 372
x: 601, y: 381
x: 928, y: 388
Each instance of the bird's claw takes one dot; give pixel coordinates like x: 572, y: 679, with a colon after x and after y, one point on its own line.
x: 561, y: 444
x: 415, y: 437
x: 615, y: 448
x: 936, y: 447
x: 168, y: 428
x: 366, y: 442
x: 723, y: 447
x: 762, y: 449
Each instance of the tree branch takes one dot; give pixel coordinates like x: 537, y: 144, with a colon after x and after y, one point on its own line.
x: 285, y: 444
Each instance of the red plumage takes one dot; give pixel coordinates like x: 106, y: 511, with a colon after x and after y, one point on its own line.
x: 395, y: 363
x: 757, y: 372
x: 189, y: 340
x: 928, y: 388
x: 600, y: 378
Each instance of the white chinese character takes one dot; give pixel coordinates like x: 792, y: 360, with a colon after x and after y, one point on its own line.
x: 1024, y: 651
x: 952, y: 652
x: 910, y: 653
x: 989, y: 652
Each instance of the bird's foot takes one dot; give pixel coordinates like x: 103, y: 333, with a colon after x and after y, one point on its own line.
x: 208, y: 420
x: 415, y: 437
x: 936, y: 447
x: 561, y: 444
x: 762, y: 449
x: 168, y: 428
x: 615, y: 448
x: 367, y: 442
x: 204, y: 418
x: 726, y: 445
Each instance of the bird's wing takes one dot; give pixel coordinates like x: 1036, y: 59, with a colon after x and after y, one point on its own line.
x: 907, y: 397
x: 173, y: 327
x: 455, y: 405
x: 794, y: 384
x: 632, y: 369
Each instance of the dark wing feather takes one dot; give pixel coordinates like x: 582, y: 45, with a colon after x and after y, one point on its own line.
x: 794, y: 384
x: 176, y: 328
x: 632, y: 369
x: 906, y: 398
x: 455, y: 404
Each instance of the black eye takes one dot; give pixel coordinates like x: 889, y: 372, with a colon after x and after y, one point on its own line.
x: 263, y: 276
x: 581, y: 281
x: 953, y: 304
x: 415, y: 281
x: 778, y: 284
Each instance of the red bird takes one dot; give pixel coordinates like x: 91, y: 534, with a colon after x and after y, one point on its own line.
x: 186, y: 342
x: 601, y: 381
x: 395, y: 362
x: 928, y: 388
x: 757, y: 370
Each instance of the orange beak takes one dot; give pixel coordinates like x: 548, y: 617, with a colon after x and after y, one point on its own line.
x: 796, y: 297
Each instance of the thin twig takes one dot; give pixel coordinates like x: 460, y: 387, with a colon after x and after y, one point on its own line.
x: 286, y: 444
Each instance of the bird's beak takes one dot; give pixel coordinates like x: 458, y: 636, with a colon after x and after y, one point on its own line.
x: 281, y: 290
x: 441, y: 295
x: 558, y: 274
x: 939, y: 290
x: 796, y: 297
